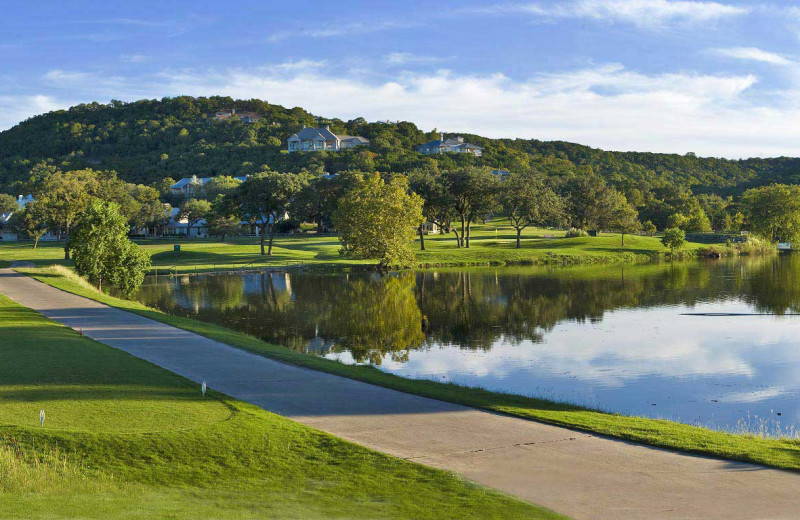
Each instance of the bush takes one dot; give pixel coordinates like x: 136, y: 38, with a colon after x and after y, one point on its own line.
x: 575, y: 233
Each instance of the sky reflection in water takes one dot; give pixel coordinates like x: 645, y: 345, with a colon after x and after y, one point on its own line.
x: 623, y: 339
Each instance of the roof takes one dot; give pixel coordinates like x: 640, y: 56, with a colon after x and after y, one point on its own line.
x: 309, y: 134
x: 357, y: 138
x: 22, y: 201
x: 452, y: 142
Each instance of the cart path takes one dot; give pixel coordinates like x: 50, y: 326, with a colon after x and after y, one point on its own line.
x: 576, y: 474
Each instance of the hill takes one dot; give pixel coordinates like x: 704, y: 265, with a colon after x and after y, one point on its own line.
x: 150, y: 140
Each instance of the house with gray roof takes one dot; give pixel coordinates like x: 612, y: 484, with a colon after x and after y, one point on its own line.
x: 318, y: 139
x: 450, y: 145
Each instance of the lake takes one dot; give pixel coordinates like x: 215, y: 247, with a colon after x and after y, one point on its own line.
x: 713, y: 343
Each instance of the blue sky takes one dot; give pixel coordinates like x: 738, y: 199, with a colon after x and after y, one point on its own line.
x: 715, y: 78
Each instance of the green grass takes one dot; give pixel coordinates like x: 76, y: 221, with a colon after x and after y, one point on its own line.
x: 492, y: 244
x: 781, y: 453
x: 126, y: 439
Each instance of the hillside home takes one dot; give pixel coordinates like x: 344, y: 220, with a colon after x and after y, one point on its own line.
x: 318, y: 139
x: 244, y: 117
x: 194, y: 184
x: 450, y: 145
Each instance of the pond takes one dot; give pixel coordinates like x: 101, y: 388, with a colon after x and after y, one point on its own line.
x: 712, y: 343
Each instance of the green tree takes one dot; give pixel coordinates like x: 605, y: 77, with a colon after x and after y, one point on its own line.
x: 378, y: 219
x: 674, y: 238
x: 266, y: 197
x: 64, y: 196
x: 649, y: 228
x: 102, y: 251
x: 774, y: 212
x: 222, y: 220
x: 474, y: 196
x: 220, y: 185
x: 529, y: 202
x: 32, y: 221
x: 621, y: 216
x: 438, y: 204
x: 194, y: 210
x: 8, y: 204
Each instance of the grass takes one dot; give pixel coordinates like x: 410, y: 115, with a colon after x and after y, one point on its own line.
x: 780, y: 453
x: 492, y: 244
x: 126, y: 439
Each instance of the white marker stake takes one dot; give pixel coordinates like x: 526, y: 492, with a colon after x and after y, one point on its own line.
x: 203, y: 388
x: 41, y: 417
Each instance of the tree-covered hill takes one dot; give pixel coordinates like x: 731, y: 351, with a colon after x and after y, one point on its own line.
x: 149, y: 140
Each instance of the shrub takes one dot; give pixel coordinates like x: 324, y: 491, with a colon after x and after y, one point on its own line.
x: 575, y: 233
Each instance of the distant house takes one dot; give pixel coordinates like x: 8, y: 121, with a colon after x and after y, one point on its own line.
x: 501, y: 174
x: 244, y: 117
x: 180, y: 226
x: 450, y: 145
x: 191, y: 185
x: 319, y: 139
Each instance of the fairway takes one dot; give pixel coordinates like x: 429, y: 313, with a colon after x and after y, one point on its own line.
x: 492, y: 243
x: 126, y: 439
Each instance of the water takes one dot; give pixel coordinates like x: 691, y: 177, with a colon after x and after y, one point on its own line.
x: 634, y: 340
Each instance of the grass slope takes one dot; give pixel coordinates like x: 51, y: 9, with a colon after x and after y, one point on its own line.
x: 784, y: 453
x: 492, y: 244
x: 126, y: 439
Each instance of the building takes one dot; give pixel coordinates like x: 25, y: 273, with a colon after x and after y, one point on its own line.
x: 194, y: 184
x: 450, y: 145
x: 244, y: 117
x: 319, y: 139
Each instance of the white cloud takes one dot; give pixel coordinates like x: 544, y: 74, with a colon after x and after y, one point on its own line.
x: 134, y: 58
x: 643, y: 13
x: 407, y: 58
x: 14, y: 109
x: 344, y: 29
x: 753, y: 54
x: 605, y: 106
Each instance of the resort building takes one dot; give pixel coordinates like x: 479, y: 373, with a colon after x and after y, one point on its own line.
x: 450, y: 145
x: 320, y: 139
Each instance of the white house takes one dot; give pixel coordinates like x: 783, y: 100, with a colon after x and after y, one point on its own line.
x: 450, y: 145
x: 318, y: 139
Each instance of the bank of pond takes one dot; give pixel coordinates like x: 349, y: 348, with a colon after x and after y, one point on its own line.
x: 708, y: 343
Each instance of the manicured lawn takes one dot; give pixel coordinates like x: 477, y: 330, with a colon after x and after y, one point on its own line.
x: 492, y: 244
x: 784, y: 453
x: 126, y: 439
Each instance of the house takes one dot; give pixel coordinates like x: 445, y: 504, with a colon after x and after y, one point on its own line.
x: 501, y: 174
x: 450, y: 145
x: 244, y: 117
x: 180, y: 226
x: 318, y: 139
x: 194, y: 184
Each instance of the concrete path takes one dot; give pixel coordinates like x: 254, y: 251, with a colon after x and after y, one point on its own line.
x: 573, y: 473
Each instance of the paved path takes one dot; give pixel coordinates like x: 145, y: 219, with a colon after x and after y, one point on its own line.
x: 573, y: 473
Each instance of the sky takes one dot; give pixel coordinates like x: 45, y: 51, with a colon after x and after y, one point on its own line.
x: 716, y: 78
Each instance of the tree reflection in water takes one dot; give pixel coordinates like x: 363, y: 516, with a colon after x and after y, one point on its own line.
x: 374, y: 316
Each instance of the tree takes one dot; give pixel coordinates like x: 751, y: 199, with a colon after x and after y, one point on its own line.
x: 222, y: 221
x: 774, y: 212
x: 102, y: 251
x: 64, y: 196
x: 317, y: 201
x: 621, y: 217
x: 32, y: 221
x: 649, y: 228
x: 194, y: 210
x: 528, y: 201
x: 266, y: 197
x: 8, y: 204
x: 674, y: 238
x: 220, y: 185
x: 438, y: 203
x: 378, y: 219
x: 473, y: 191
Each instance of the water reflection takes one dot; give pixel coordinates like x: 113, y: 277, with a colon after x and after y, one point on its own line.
x: 626, y: 339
